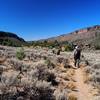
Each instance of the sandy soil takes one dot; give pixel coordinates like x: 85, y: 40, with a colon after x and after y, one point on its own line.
x: 83, y: 89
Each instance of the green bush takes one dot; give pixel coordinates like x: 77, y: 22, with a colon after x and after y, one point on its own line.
x: 68, y: 48
x: 20, y: 54
x: 97, y: 46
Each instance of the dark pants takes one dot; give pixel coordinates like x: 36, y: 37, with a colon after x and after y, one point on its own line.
x: 77, y: 62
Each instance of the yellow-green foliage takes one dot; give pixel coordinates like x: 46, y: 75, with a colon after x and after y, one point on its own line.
x: 72, y: 97
x: 20, y: 54
x: 68, y: 48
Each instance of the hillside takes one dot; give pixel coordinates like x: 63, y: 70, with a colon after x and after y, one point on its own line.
x: 10, y: 39
x: 85, y: 36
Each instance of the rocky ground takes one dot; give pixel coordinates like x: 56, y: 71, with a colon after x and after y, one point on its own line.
x: 42, y: 75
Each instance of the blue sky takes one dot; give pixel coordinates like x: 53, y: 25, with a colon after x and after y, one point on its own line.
x: 37, y: 19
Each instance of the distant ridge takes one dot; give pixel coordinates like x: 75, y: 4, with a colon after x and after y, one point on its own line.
x: 85, y: 35
x: 11, y: 39
x: 78, y: 34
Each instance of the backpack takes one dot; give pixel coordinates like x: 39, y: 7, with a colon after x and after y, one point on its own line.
x: 77, y: 53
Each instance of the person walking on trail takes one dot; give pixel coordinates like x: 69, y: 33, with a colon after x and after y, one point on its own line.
x: 59, y: 50
x: 77, y: 54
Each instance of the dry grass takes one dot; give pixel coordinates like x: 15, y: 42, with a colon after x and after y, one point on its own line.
x: 72, y: 97
x: 71, y: 85
x: 44, y: 75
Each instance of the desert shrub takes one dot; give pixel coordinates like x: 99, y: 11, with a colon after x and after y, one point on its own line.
x: 9, y: 42
x: 52, y: 78
x: 68, y: 48
x: 65, y: 63
x: 44, y: 91
x: 5, y: 96
x: 41, y: 72
x: 72, y: 97
x: 87, y: 62
x: 96, y: 66
x: 20, y: 98
x: 20, y: 54
x: 18, y: 95
x: 10, y: 79
x: 60, y: 59
x: 17, y: 65
x: 50, y: 64
x: 26, y: 67
x: 95, y: 74
x: 61, y: 94
x: 95, y: 78
x: 41, y: 90
x: 35, y: 56
x: 98, y: 79
x: 97, y: 47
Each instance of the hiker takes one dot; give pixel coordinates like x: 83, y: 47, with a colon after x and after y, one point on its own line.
x: 53, y: 50
x: 77, y: 54
x: 59, y: 50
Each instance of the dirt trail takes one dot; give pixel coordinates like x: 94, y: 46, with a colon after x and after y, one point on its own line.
x: 83, y: 89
